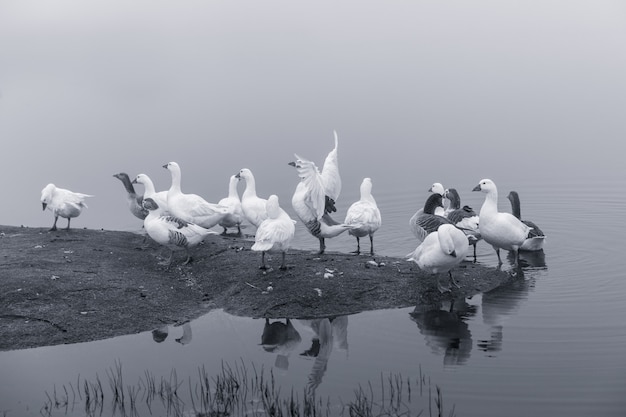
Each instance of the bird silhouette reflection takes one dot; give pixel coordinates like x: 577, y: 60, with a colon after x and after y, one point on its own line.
x: 280, y: 338
x: 445, y: 329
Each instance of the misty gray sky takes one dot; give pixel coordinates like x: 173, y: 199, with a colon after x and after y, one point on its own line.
x: 416, y: 90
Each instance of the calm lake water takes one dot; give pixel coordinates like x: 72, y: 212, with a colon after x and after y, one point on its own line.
x: 550, y: 343
x: 530, y: 94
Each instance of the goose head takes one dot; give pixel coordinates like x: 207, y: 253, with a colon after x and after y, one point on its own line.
x: 140, y: 179
x: 244, y: 173
x: 46, y: 195
x: 272, y: 207
x: 172, y: 166
x: 436, y: 188
x: 485, y: 186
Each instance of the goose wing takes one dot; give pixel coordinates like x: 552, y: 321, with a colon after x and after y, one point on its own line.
x: 315, y: 196
x: 330, y: 173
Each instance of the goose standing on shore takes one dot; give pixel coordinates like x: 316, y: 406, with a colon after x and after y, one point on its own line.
x: 235, y: 217
x: 312, y: 204
x: 440, y: 251
x: 501, y: 230
x: 191, y: 207
x: 149, y: 191
x: 275, y: 232
x: 465, y: 218
x: 426, y: 219
x: 132, y: 198
x: 172, y: 232
x: 62, y: 202
x: 252, y: 206
x: 536, y: 237
x: 364, y: 214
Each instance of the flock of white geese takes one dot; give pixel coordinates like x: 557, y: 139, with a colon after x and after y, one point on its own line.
x: 445, y: 231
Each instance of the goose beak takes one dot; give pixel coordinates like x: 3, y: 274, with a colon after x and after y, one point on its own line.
x: 165, y: 166
x: 44, y: 205
x: 477, y: 188
x: 238, y: 176
x: 134, y: 181
x: 293, y: 164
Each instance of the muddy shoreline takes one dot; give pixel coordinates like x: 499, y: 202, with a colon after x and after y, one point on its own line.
x: 83, y: 284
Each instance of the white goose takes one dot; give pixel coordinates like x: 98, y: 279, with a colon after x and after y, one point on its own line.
x: 62, y: 202
x: 440, y: 251
x: 172, y: 232
x: 191, y: 207
x: 150, y: 192
x: 501, y: 230
x: 252, y: 206
x: 235, y: 217
x: 132, y: 198
x: 312, y: 204
x: 364, y: 214
x: 535, y: 240
x: 465, y: 218
x: 275, y: 232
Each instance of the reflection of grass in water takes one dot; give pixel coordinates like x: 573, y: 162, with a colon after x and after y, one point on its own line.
x: 236, y: 391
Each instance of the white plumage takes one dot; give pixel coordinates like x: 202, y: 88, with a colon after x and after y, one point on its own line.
x: 465, y: 218
x: 440, y: 251
x: 133, y: 199
x: 233, y: 201
x: 62, y: 202
x: 501, y: 230
x: 191, y: 207
x: 172, y: 232
x: 275, y: 232
x: 365, y: 215
x: 150, y: 192
x: 312, y: 204
x: 536, y: 237
x: 252, y: 206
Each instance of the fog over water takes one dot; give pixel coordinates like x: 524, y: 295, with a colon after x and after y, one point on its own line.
x: 418, y: 92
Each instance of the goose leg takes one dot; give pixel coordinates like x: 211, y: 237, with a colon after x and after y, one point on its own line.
x: 372, y: 245
x: 474, y: 252
x: 54, y: 225
x: 453, y: 281
x: 358, y: 246
x: 322, y: 245
x: 498, y: 253
x: 188, y: 260
x: 263, y: 266
x: 68, y: 223
x: 441, y: 288
x: 283, y: 266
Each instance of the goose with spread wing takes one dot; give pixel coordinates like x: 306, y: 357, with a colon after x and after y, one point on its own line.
x: 312, y: 205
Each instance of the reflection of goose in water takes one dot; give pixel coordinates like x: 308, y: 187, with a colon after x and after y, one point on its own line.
x: 329, y: 333
x: 501, y: 303
x: 445, y: 329
x: 185, y: 339
x: 529, y: 259
x: 160, y: 334
x: 280, y: 338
